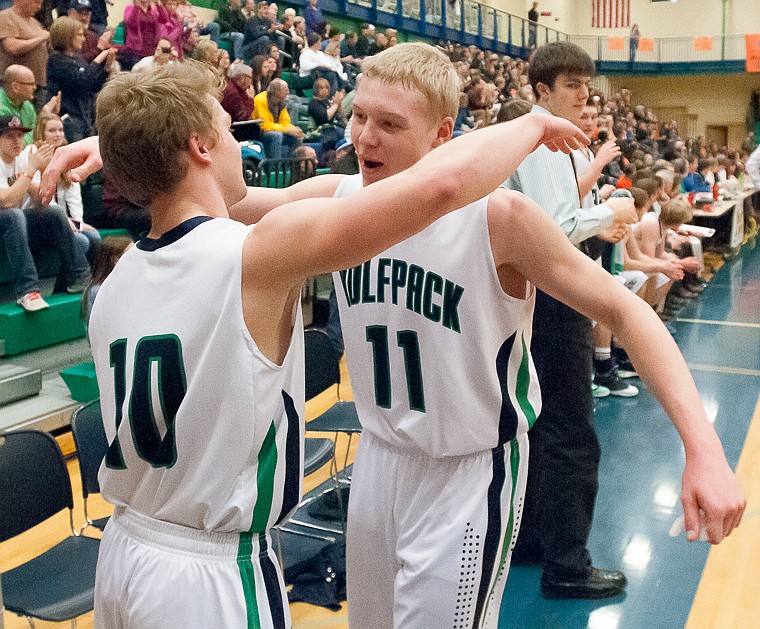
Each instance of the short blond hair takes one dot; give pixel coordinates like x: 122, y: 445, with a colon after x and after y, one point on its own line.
x: 63, y: 31
x: 145, y: 122
x: 676, y: 212
x: 419, y: 67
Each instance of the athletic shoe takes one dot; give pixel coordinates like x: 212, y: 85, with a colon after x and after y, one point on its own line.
x: 597, y: 390
x: 615, y: 384
x: 77, y: 287
x: 31, y: 302
x: 626, y: 369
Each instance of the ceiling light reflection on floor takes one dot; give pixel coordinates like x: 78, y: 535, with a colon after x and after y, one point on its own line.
x: 604, y: 618
x: 638, y: 553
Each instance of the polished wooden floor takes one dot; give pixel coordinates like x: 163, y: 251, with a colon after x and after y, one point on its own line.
x: 672, y: 584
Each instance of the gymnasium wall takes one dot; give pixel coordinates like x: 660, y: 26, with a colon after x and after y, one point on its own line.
x: 706, y: 100
x: 685, y: 18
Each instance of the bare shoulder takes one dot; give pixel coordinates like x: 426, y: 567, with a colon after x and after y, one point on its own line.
x: 508, y: 207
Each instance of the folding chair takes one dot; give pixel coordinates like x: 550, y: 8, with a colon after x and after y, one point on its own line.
x: 59, y: 584
x: 92, y: 445
x: 322, y: 366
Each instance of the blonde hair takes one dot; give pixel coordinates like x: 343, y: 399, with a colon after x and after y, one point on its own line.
x: 675, y: 212
x: 206, y: 50
x: 418, y: 67
x: 63, y: 31
x: 38, y: 137
x: 145, y: 122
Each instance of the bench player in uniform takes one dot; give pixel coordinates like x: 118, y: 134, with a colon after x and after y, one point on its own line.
x: 437, y: 332
x: 198, y: 345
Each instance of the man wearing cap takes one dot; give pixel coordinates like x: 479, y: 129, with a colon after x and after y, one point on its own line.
x: 16, y: 98
x: 22, y: 220
x: 23, y: 41
x: 94, y: 43
x: 97, y: 13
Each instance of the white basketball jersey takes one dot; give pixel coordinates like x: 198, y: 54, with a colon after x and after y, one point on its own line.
x: 204, y: 430
x: 438, y: 354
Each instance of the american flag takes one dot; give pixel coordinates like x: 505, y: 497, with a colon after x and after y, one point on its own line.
x: 610, y: 13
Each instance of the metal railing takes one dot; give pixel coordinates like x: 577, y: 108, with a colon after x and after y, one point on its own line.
x: 469, y: 22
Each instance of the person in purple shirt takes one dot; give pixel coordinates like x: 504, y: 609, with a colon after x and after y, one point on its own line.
x: 315, y: 21
x: 141, y: 33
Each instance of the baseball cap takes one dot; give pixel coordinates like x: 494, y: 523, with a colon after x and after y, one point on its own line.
x: 11, y: 123
x: 343, y: 143
x: 80, y: 5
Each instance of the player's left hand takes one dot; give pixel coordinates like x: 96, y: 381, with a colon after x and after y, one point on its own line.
x: 710, y: 486
x: 562, y: 135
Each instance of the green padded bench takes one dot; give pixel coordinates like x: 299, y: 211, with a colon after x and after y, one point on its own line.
x: 22, y: 331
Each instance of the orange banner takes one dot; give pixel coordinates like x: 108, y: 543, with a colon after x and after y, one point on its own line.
x: 704, y: 43
x: 646, y: 44
x: 616, y: 43
x: 753, y: 53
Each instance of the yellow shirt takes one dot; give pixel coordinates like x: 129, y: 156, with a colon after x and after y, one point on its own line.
x: 261, y: 110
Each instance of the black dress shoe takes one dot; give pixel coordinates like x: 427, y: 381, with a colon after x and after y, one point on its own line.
x: 590, y: 583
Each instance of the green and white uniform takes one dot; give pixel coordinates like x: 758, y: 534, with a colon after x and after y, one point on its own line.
x: 205, y: 438
x: 446, y: 391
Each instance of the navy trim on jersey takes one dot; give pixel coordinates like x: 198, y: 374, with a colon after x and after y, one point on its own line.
x: 493, y: 531
x: 292, y: 458
x: 271, y: 584
x: 173, y: 235
x: 507, y: 414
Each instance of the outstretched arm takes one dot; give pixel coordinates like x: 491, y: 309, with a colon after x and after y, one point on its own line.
x: 332, y: 234
x: 519, y: 229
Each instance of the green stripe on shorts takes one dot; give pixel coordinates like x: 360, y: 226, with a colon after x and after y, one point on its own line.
x: 248, y: 580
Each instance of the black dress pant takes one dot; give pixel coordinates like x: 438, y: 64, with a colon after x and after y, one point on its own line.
x: 564, y: 449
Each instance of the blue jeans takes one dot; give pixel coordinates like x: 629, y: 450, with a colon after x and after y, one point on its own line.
x: 279, y: 145
x: 236, y: 42
x: 22, y: 230
x: 212, y: 30
x: 87, y: 240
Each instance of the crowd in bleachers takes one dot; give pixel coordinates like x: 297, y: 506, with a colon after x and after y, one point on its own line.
x: 55, y: 63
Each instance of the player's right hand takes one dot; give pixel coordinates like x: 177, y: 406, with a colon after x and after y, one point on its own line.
x: 81, y: 158
x: 561, y: 135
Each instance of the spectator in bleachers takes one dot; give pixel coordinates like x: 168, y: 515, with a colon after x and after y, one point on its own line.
x: 232, y: 25
x: 190, y: 41
x: 207, y: 51
x: 326, y: 113
x: 365, y: 47
x: 313, y: 62
x: 280, y: 137
x: 171, y: 25
x: 77, y: 81
x: 237, y: 99
x: 140, y: 33
x: 45, y: 227
x: 249, y: 10
x: 348, y: 51
x: 298, y: 33
x: 258, y: 32
x: 164, y: 54
x: 24, y: 42
x: 332, y: 54
x: 315, y: 21
x: 16, y: 97
x: 695, y: 180
x: 187, y: 11
x: 94, y: 42
x: 264, y: 69
x: 49, y: 130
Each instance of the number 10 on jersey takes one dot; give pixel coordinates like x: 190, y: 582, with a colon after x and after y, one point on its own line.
x: 407, y: 340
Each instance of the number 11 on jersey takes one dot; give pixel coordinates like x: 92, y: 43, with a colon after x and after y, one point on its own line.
x: 407, y: 340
